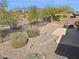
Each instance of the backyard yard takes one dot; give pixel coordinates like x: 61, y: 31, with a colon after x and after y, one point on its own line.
x: 44, y: 44
x: 38, y: 30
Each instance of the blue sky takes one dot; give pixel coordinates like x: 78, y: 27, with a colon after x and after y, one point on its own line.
x: 41, y: 3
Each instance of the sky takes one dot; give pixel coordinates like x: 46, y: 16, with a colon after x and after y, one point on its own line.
x: 41, y: 3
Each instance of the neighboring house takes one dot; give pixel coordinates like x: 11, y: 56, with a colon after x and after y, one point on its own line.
x: 74, y: 14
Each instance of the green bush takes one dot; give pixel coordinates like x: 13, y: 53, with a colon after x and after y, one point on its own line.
x: 62, y: 15
x: 33, y: 32
x: 19, y: 40
x: 34, y: 56
x: 56, y: 17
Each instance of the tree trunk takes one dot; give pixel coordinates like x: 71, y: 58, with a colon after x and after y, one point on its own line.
x: 51, y: 18
x: 13, y: 26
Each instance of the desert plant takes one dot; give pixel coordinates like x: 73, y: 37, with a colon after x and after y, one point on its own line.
x: 18, y: 40
x: 34, y: 56
x: 8, y: 18
x: 62, y: 15
x: 32, y: 13
x: 55, y: 17
x: 4, y: 3
x: 33, y: 32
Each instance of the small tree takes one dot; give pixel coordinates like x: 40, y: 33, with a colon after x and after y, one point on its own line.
x: 8, y: 18
x: 4, y: 4
x: 48, y: 11
x: 63, y: 9
x: 32, y: 13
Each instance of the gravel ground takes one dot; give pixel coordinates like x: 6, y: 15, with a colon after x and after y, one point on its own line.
x: 47, y: 49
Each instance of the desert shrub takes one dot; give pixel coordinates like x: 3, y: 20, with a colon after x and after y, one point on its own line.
x: 56, y: 17
x: 34, y: 56
x: 19, y: 40
x: 62, y: 15
x: 33, y: 32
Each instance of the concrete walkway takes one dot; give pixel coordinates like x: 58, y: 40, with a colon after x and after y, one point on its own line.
x: 59, y: 32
